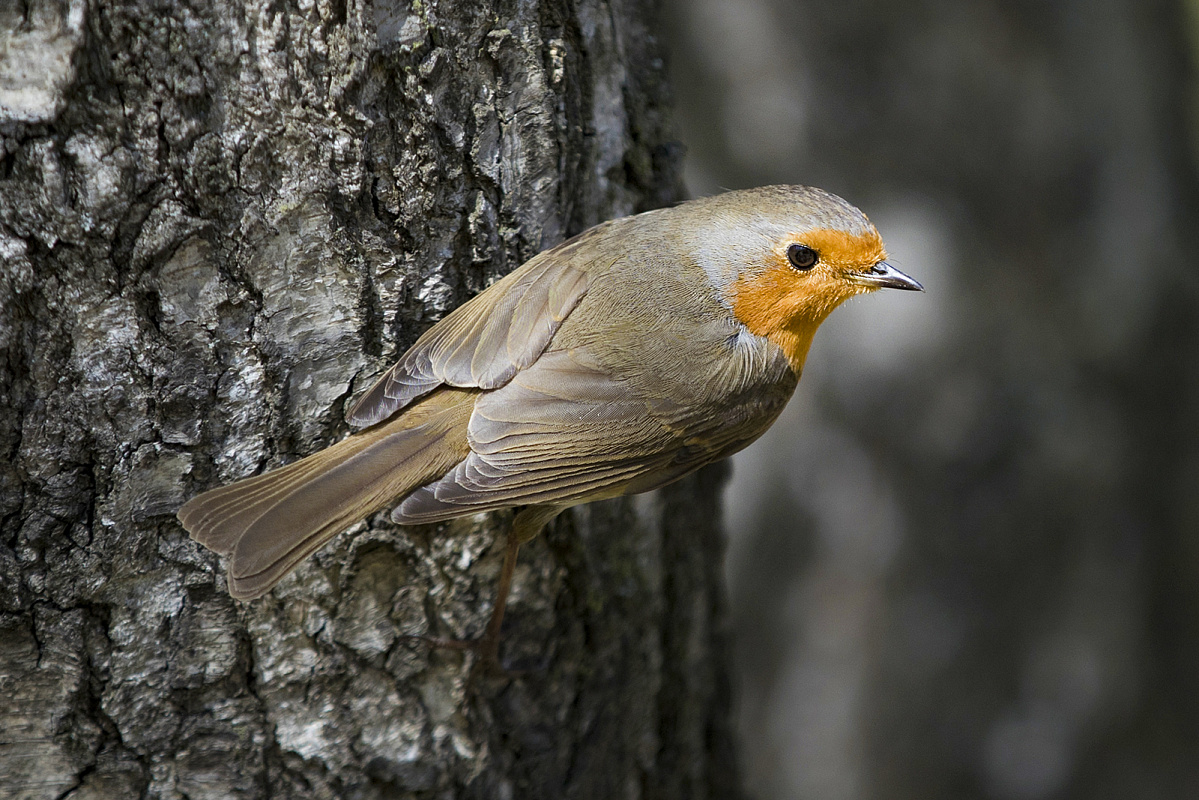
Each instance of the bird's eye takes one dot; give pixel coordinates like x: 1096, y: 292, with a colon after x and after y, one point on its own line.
x: 802, y: 257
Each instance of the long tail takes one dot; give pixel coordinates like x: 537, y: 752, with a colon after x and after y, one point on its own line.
x: 268, y: 524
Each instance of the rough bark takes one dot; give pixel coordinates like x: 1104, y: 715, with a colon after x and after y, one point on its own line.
x: 219, y: 223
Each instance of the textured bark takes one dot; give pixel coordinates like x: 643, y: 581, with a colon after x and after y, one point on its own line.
x: 219, y: 223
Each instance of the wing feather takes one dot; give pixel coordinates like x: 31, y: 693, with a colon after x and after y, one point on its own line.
x: 564, y: 431
x: 486, y: 341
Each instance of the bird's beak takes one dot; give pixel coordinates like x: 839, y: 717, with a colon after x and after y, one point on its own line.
x: 884, y: 276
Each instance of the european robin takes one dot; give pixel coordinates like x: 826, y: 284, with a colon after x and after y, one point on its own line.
x: 617, y: 362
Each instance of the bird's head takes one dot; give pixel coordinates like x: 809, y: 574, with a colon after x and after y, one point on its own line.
x: 783, y: 257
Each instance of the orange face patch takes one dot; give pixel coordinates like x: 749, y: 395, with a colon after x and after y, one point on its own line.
x: 845, y: 250
x: 786, y: 305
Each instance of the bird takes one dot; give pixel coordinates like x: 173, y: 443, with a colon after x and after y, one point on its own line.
x: 616, y: 362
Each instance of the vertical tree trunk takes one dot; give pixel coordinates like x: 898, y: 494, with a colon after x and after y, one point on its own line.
x: 218, y: 224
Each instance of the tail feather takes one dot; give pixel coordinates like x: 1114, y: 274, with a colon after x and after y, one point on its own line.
x: 269, y: 523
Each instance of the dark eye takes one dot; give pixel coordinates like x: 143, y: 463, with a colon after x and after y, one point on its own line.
x: 802, y: 257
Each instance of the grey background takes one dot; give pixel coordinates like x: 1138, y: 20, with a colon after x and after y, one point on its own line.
x: 963, y: 563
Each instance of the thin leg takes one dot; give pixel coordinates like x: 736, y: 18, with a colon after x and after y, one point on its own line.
x: 525, y: 527
x: 489, y: 643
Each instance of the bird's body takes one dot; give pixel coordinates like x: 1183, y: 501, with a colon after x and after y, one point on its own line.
x: 617, y: 362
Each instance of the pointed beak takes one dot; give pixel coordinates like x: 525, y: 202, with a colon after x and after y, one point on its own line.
x: 884, y: 276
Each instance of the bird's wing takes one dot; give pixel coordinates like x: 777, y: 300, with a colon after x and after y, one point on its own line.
x: 486, y: 341
x: 565, y: 431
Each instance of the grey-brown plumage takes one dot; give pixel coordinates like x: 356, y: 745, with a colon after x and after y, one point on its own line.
x: 268, y: 524
x: 611, y: 364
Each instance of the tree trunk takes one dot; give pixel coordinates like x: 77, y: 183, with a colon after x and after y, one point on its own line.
x: 219, y: 225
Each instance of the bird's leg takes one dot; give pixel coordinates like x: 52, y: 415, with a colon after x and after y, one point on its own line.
x: 525, y: 526
x: 489, y: 643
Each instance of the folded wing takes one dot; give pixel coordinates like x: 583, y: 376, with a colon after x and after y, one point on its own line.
x: 268, y: 523
x: 564, y: 431
x: 485, y: 342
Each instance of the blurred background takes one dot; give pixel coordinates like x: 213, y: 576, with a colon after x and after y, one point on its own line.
x: 965, y: 563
